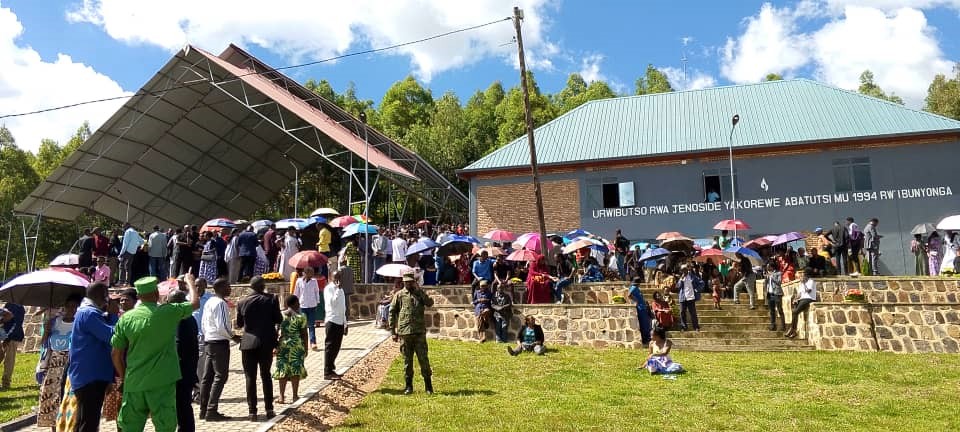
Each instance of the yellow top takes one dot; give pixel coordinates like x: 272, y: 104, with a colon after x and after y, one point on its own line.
x: 323, y: 243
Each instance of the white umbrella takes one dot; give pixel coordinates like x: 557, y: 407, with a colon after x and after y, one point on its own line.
x: 394, y: 270
x: 325, y: 211
x: 65, y: 260
x: 44, y: 288
x: 951, y: 223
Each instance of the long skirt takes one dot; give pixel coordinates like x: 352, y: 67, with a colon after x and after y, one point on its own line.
x: 51, y: 390
x: 663, y: 365
x: 67, y: 415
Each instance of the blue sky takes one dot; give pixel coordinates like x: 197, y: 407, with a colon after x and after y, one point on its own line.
x: 70, y: 50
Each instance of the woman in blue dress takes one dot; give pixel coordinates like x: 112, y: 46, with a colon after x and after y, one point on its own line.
x: 643, y: 310
x: 208, y: 260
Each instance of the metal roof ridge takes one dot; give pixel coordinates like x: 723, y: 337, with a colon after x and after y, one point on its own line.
x: 884, y: 101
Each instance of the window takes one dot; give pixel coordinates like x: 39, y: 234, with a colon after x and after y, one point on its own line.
x: 716, y: 186
x: 618, y: 195
x: 852, y: 175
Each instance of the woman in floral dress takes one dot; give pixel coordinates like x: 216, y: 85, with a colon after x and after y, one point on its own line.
x: 208, y: 268
x: 291, y: 349
x: 53, y: 365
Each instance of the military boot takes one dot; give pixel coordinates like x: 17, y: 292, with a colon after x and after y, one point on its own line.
x: 409, y: 386
x: 428, y: 385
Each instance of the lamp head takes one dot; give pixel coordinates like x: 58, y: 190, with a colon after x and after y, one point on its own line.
x: 735, y: 119
x: 363, y: 117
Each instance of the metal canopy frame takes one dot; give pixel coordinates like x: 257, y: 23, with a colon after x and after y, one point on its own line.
x: 207, y: 137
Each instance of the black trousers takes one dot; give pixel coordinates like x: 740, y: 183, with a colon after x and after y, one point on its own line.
x: 689, y: 308
x: 331, y: 346
x: 185, y: 421
x: 246, y: 266
x: 89, y: 405
x: 215, y: 370
x: 253, y: 359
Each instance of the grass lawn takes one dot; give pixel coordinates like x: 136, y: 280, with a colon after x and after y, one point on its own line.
x: 22, y: 395
x: 480, y: 387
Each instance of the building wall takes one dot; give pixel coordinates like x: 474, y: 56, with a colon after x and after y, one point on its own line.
x: 769, y: 185
x: 512, y: 206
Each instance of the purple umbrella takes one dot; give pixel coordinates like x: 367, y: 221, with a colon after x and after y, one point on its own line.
x: 788, y: 237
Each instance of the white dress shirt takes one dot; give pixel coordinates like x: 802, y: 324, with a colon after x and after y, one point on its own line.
x: 216, y: 320
x: 335, y: 305
x: 399, y: 250
x: 308, y: 291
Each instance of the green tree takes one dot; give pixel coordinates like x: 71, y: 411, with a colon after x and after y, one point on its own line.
x: 773, y: 77
x: 653, y: 81
x: 443, y: 143
x: 869, y: 88
x: 481, y: 118
x: 577, y: 92
x: 510, y: 115
x: 405, y: 104
x: 943, y: 95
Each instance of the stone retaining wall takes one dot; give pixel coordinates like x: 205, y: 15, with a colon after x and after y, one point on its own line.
x: 901, y: 314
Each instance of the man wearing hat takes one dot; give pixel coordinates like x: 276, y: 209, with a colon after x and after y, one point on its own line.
x: 145, y: 357
x: 407, y: 323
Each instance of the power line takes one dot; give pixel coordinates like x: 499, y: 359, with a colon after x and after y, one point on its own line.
x: 326, y: 60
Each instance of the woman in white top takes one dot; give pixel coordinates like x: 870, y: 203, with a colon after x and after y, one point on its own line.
x: 308, y: 291
x: 53, y: 364
x: 291, y: 245
x: 806, y: 294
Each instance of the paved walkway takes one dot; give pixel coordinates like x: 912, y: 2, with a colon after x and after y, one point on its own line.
x: 360, y: 340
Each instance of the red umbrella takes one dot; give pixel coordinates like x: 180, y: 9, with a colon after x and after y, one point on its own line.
x: 709, y: 255
x: 500, y: 235
x: 343, y: 221
x: 167, y: 286
x: 670, y: 234
x: 757, y: 243
x: 731, y: 225
x: 522, y: 255
x: 308, y: 258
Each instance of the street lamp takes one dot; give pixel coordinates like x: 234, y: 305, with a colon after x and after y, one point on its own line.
x: 296, y: 187
x: 733, y: 189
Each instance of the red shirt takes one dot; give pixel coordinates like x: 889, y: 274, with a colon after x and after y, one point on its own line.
x: 101, y: 245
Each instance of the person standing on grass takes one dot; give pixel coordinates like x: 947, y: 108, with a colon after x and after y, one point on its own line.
x: 806, y: 294
x: 308, y: 294
x: 529, y: 338
x: 335, y: 306
x: 188, y: 353
x: 643, y: 310
x: 773, y: 289
x: 502, y: 305
x: 258, y: 314
x: 9, y: 345
x: 291, y: 349
x: 145, y: 357
x: 90, y: 369
x: 407, y: 324
x: 217, y: 334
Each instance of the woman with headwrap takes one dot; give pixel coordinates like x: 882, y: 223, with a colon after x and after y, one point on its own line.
x: 538, y: 282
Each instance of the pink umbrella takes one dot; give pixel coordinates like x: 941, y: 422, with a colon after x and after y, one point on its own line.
x: 343, y: 221
x: 528, y: 241
x: 757, y: 243
x: 576, y: 245
x: 522, y: 255
x: 731, y: 225
x: 501, y: 235
x: 715, y: 255
x: 167, y: 286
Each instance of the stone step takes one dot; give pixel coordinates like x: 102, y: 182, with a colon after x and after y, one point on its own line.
x: 744, y: 348
x: 708, y: 333
x: 733, y: 326
x: 684, y: 341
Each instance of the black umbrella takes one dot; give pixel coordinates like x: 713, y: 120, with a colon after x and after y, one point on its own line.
x: 455, y: 247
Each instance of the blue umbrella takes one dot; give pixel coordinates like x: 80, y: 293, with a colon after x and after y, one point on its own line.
x: 421, y: 246
x: 754, y: 257
x: 318, y: 219
x: 293, y: 223
x: 654, y: 254
x: 641, y: 245
x: 462, y: 238
x: 577, y: 233
x: 359, y: 228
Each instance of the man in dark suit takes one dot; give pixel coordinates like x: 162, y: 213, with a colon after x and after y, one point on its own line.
x: 258, y: 314
x: 247, y: 244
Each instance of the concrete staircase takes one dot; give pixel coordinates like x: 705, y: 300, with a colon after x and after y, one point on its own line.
x: 734, y: 328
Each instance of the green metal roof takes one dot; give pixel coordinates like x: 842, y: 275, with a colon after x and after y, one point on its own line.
x: 771, y: 113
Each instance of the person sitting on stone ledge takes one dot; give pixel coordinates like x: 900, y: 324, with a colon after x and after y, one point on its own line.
x: 662, y: 310
x: 592, y: 272
x: 806, y: 294
x: 816, y: 264
x: 529, y: 338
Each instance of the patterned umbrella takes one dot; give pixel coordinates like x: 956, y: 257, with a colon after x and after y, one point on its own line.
x: 359, y: 228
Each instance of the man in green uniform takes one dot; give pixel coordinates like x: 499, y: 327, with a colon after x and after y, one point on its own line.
x: 406, y: 323
x: 145, y: 357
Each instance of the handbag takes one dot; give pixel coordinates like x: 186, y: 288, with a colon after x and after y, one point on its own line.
x: 208, y: 256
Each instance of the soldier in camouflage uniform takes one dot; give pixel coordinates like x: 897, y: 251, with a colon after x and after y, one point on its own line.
x: 406, y: 324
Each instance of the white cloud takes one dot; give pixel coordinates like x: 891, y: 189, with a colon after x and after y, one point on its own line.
x: 895, y: 43
x: 770, y: 43
x: 837, y: 7
x: 304, y: 29
x: 695, y: 79
x: 28, y: 83
x: 590, y: 68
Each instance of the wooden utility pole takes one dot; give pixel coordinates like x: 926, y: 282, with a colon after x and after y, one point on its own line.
x: 544, y: 242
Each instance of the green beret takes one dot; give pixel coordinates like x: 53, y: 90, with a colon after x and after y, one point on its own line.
x: 146, y: 285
